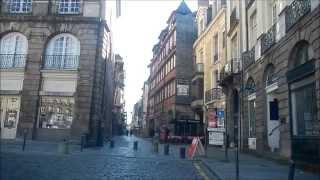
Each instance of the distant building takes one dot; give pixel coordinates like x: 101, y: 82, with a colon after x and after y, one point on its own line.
x: 119, y: 114
x: 170, y: 76
x: 137, y: 117
x: 56, y: 70
x: 147, y: 130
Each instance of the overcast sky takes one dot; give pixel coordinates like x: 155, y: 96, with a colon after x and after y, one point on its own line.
x: 135, y: 32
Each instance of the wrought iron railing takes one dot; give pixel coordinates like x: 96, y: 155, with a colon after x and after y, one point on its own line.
x: 61, y: 62
x: 213, y: 94
x: 248, y: 57
x: 11, y: 61
x: 268, y: 39
x: 295, y: 11
x: 234, y: 19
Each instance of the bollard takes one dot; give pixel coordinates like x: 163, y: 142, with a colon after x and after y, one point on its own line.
x: 83, y: 139
x: 166, y: 149
x: 111, y: 143
x: 291, y: 170
x: 156, y: 147
x: 25, y: 133
x: 135, y: 145
x: 182, y: 152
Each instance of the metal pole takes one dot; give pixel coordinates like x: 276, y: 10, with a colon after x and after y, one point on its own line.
x: 226, y: 147
x: 25, y: 133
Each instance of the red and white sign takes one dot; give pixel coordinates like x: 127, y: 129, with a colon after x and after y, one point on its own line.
x: 195, y: 146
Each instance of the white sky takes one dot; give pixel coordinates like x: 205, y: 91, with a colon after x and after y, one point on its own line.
x: 134, y: 34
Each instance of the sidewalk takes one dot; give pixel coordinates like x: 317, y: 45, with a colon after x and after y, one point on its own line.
x: 250, y: 167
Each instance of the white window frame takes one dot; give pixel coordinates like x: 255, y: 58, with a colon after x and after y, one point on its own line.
x: 253, y: 29
x: 20, y: 6
x: 69, y: 6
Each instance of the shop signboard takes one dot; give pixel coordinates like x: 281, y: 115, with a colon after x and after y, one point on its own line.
x: 216, y: 136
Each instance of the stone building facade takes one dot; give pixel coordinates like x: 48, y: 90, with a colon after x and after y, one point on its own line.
x: 170, y: 77
x: 210, y: 54
x: 272, y: 85
x: 56, y: 70
x: 119, y: 114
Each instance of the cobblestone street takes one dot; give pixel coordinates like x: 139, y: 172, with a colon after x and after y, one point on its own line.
x: 121, y: 162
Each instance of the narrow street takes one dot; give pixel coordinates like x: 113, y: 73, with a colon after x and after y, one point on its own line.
x: 120, y: 162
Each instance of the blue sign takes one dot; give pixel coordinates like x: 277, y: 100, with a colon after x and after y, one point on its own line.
x: 220, y: 114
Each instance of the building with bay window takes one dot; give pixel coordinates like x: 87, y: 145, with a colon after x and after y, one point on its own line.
x: 170, y: 77
x: 56, y: 70
x: 271, y: 80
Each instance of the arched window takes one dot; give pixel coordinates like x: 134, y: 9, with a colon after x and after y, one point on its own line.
x: 250, y: 87
x: 20, y: 6
x: 303, y: 92
x: 63, y: 52
x: 301, y: 54
x: 271, y: 76
x: 251, y: 92
x: 13, y: 50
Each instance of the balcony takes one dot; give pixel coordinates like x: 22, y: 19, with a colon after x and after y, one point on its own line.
x: 248, y: 58
x: 296, y: 10
x: 12, y: 61
x: 213, y: 94
x: 232, y: 68
x: 268, y: 39
x: 234, y: 19
x: 61, y: 62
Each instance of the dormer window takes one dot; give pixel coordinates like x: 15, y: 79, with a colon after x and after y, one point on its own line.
x: 69, y: 7
x: 20, y: 6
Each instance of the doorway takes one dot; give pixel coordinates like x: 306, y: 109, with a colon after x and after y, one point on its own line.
x: 273, y: 123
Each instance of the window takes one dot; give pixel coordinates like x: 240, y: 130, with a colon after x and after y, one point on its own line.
x: 252, y: 118
x: 253, y: 29
x: 251, y: 89
x: 56, y: 112
x: 69, y: 6
x: 305, y: 122
x: 174, y: 62
x: 274, y: 11
x: 215, y: 48
x: 216, y: 74
x: 303, y: 93
x: 13, y: 50
x: 223, y: 39
x: 63, y: 51
x: 20, y: 6
x: 234, y: 46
